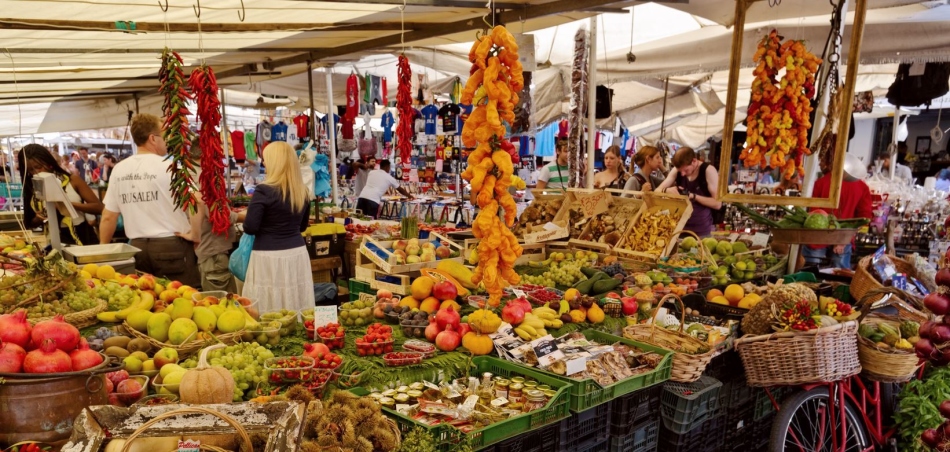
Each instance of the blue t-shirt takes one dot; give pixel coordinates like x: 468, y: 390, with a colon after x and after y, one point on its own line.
x: 279, y: 132
x: 387, y: 123
x: 431, y: 115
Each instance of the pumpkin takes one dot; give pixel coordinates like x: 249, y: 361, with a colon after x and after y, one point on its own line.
x: 484, y: 321
x: 206, y: 383
x: 477, y: 343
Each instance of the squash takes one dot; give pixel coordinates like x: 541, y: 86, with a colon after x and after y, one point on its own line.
x: 595, y: 314
x: 484, y: 321
x: 577, y: 315
x: 206, y: 383
x: 477, y: 343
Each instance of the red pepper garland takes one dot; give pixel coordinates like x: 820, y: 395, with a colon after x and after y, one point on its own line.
x: 404, y: 109
x: 176, y: 134
x: 213, y: 186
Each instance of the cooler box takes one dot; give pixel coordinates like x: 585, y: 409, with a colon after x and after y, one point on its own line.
x: 325, y: 240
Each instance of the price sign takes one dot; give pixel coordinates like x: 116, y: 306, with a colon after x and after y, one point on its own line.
x: 323, y: 315
x: 189, y: 445
x: 519, y: 293
x: 546, y: 350
x: 593, y: 203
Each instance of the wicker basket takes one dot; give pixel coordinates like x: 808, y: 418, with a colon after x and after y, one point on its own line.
x: 245, y: 439
x: 188, y: 348
x: 796, y: 358
x: 863, y: 281
x: 689, y: 359
x: 889, y: 365
x: 908, y: 306
x: 79, y: 319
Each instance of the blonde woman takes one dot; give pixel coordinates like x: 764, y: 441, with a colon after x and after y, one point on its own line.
x: 278, y: 275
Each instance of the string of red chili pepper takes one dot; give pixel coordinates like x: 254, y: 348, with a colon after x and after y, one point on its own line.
x: 404, y: 109
x: 213, y: 185
x: 175, y: 131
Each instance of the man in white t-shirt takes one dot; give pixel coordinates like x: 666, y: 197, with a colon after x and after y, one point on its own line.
x: 140, y: 190
x: 378, y: 182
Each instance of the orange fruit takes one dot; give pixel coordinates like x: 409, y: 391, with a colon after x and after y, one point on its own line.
x: 734, y: 293
x: 429, y: 305
x: 422, y: 287
x: 713, y: 293
x: 409, y: 301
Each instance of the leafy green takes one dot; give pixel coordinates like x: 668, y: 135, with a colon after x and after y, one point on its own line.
x: 919, y: 410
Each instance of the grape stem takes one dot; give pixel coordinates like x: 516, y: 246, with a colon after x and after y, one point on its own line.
x: 26, y: 282
x: 37, y: 297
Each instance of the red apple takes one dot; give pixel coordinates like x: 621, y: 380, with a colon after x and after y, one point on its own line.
x: 629, y: 305
x: 444, y: 290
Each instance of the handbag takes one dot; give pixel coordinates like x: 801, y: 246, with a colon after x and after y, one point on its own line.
x: 241, y: 257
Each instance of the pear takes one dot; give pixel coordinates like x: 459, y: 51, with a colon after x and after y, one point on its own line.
x: 138, y: 319
x: 232, y: 320
x: 158, y: 325
x: 169, y: 368
x: 217, y: 309
x: 205, y: 319
x: 182, y: 309
x: 181, y: 331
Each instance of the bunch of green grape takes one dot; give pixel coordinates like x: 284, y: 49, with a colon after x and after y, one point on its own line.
x: 118, y: 296
x: 48, y: 309
x: 79, y: 300
x: 245, y: 361
x: 563, y: 273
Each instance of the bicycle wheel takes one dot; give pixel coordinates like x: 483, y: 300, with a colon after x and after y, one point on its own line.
x: 802, y: 425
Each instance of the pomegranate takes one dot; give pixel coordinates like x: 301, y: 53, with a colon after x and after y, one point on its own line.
x: 84, y: 357
x: 464, y: 328
x: 110, y: 388
x: 47, y: 359
x: 512, y: 313
x: 64, y: 335
x: 448, y: 340
x: 14, y: 328
x: 11, y: 358
x: 938, y: 303
x: 446, y: 317
x: 432, y: 330
x: 942, y: 278
x: 930, y: 437
x: 315, y: 350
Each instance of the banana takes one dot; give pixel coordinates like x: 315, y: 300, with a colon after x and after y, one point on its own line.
x: 533, y: 322
x: 541, y: 332
x: 528, y: 329
x: 523, y: 334
x: 108, y: 316
x: 545, y: 313
x: 557, y: 323
x: 133, y: 306
x: 148, y: 301
x: 565, y: 307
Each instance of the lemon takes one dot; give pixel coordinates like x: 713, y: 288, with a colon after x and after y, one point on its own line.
x: 105, y: 272
x: 92, y: 269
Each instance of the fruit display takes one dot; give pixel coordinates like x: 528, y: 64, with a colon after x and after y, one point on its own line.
x: 413, y: 251
x: 608, y: 227
x: 538, y: 213
x: 799, y: 218
x: 332, y: 335
x: 759, y: 319
x: 413, y: 324
x: 48, y: 286
x: 347, y: 422
x: 377, y: 340
x: 886, y: 337
x: 396, y: 359
x: 563, y: 269
x: 50, y: 346
x: 356, y: 313
x: 598, y: 283
x: 289, y: 369
x: 244, y: 361
x: 734, y: 295
x: 287, y: 319
x: 125, y: 389
x: 652, y: 231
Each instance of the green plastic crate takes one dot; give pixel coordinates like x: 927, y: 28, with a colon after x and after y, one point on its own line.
x: 587, y: 393
x: 800, y: 277
x: 447, y: 436
x: 357, y: 287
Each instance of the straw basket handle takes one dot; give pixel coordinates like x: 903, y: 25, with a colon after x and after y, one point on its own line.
x: 704, y: 253
x: 874, y: 294
x: 192, y: 410
x: 657, y: 311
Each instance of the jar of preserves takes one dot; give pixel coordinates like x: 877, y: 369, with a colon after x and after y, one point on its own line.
x: 534, y: 400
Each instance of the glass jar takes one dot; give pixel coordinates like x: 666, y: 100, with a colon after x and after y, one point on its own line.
x: 501, y: 389
x: 534, y: 400
x: 517, y: 379
x: 515, y: 393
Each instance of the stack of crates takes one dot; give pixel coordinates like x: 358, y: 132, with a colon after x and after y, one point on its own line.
x: 634, y: 425
x: 585, y: 431
x: 691, y: 417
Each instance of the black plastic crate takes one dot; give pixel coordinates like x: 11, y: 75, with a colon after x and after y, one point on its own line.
x: 540, y: 440
x: 582, y: 429
x: 763, y: 404
x: 761, y: 433
x: 736, y: 392
x: 598, y: 446
x: 632, y: 409
x: 641, y: 438
x: 686, y: 405
x: 706, y: 437
x: 738, y: 423
x: 725, y: 366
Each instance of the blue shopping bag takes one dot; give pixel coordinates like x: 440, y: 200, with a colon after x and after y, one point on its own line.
x: 241, y: 257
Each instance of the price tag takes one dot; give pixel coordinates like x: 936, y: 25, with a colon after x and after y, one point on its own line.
x: 593, y: 203
x: 519, y: 293
x: 189, y: 445
x: 546, y: 350
x: 323, y: 315
x: 760, y: 239
x: 576, y: 365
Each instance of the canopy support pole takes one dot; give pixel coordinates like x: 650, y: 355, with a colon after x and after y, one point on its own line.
x: 331, y: 134
x: 591, y: 102
x: 313, y: 124
x: 666, y: 97
x: 893, y: 147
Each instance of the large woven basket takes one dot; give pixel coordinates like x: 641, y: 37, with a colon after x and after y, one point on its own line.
x: 690, y: 355
x: 239, y: 430
x: 79, y: 319
x: 795, y: 358
x: 864, y: 281
x: 188, y: 348
x: 887, y: 365
x: 908, y: 306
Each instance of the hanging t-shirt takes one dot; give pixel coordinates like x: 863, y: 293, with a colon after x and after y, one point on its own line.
x: 263, y: 134
x: 563, y: 128
x: 237, y: 143
x: 279, y: 132
x: 419, y: 124
x: 387, y: 122
x: 303, y: 125
x: 325, y: 118
x: 250, y: 143
x: 346, y: 127
x: 464, y: 111
x: 449, y: 115
x: 430, y: 114
x: 352, y: 96
x: 292, y: 138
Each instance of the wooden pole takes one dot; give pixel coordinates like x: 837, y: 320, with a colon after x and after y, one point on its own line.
x: 331, y: 134
x: 192, y: 27
x: 313, y: 125
x: 666, y: 97
x: 591, y: 102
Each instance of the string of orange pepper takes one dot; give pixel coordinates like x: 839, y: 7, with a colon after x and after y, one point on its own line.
x: 492, y: 89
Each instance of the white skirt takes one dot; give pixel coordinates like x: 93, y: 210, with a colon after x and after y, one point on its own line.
x: 280, y: 280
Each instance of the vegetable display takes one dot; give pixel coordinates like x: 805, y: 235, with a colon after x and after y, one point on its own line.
x: 492, y: 89
x: 778, y: 116
x: 214, y: 191
x: 175, y: 132
x: 404, y: 109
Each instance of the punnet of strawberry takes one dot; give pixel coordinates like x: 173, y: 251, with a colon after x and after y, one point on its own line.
x: 378, y: 340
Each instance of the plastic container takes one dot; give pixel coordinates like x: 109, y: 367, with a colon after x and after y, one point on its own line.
x: 374, y: 348
x: 584, y: 428
x: 300, y: 370
x: 540, y: 440
x: 347, y: 381
x: 633, y: 409
x: 686, y: 405
x: 428, y: 350
x: 219, y: 294
x: 306, y: 314
x: 409, y: 330
x: 156, y: 399
x: 263, y: 336
x: 398, y: 359
x: 288, y: 322
x: 358, y: 287
x: 706, y: 437
x: 128, y: 398
x: 332, y: 342
x: 639, y: 438
x: 161, y: 388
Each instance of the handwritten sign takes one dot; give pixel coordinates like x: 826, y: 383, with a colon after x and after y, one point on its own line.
x: 189, y: 445
x: 593, y: 203
x: 323, y: 315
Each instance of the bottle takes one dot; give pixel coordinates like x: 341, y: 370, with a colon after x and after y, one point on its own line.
x: 485, y: 393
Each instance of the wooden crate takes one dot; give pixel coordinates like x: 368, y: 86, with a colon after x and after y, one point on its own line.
x: 367, y: 271
x: 654, y: 201
x: 543, y: 233
x: 389, y: 265
x: 322, y: 269
x: 616, y: 203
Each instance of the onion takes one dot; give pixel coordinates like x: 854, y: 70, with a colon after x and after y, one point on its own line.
x: 940, y: 334
x: 943, y: 277
x: 47, y: 359
x: 11, y: 358
x: 937, y: 303
x: 65, y: 336
x: 14, y: 328
x: 83, y: 357
x: 925, y: 349
x: 930, y: 437
x: 925, y: 329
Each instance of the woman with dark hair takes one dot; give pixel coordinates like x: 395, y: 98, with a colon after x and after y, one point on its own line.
x: 613, y: 175
x: 34, y: 159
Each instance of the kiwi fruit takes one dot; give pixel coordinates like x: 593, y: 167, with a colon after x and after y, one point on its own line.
x: 116, y: 341
x: 138, y: 345
x: 117, y: 352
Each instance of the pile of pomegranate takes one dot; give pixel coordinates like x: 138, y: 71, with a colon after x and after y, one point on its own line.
x: 51, y: 346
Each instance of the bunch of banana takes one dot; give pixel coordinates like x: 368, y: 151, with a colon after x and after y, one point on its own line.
x: 531, y: 328
x: 143, y: 300
x: 550, y: 317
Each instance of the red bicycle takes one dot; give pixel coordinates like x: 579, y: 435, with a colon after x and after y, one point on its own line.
x: 849, y: 415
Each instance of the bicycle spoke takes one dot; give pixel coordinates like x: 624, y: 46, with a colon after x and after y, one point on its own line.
x: 810, y: 430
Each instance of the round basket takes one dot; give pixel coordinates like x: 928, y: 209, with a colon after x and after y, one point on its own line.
x: 887, y: 365
x: 245, y: 439
x: 705, y: 255
x: 79, y: 319
x: 690, y: 355
x: 908, y: 306
x: 863, y: 281
x: 795, y: 358
x: 189, y: 347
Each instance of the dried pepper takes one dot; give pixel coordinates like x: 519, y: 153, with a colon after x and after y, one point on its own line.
x: 214, y: 191
x: 175, y: 131
x: 404, y: 109
x: 778, y: 116
x: 492, y: 89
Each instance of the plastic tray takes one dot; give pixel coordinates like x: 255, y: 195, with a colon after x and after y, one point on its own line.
x: 129, y: 398
x: 686, y: 405
x: 584, y: 428
x: 369, y: 349
x: 641, y: 438
x: 282, y: 375
x: 418, y: 332
x: 265, y: 334
x: 632, y: 409
x: 445, y: 437
x: 588, y: 393
x: 706, y: 437
x: 413, y: 345
x: 415, y: 358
